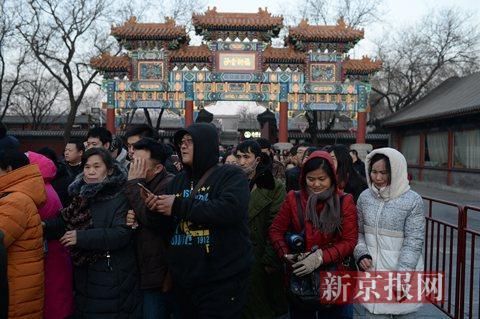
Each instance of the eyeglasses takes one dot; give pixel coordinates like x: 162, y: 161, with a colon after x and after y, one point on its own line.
x: 186, y: 141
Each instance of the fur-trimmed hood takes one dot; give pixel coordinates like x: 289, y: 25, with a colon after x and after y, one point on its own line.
x: 107, y: 189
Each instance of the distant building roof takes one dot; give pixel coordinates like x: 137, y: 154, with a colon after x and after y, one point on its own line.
x: 454, y: 97
x: 106, y: 62
x: 362, y: 66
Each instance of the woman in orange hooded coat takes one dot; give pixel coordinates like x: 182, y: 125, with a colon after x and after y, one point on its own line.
x: 21, y: 191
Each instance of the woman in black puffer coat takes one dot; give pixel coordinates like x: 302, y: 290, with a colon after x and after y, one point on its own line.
x: 105, y: 275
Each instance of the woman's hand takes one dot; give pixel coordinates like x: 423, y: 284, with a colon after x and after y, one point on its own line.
x: 69, y: 238
x: 365, y: 264
x: 131, y: 220
x: 310, y: 262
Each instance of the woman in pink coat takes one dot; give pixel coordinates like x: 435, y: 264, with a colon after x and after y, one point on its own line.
x: 58, y: 268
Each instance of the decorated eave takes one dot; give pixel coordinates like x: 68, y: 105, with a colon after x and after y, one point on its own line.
x: 111, y: 65
x: 213, y: 25
x: 135, y: 35
x: 189, y: 56
x: 283, y: 58
x: 339, y: 37
x: 364, y: 66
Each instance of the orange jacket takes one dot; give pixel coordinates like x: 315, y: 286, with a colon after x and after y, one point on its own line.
x: 21, y: 192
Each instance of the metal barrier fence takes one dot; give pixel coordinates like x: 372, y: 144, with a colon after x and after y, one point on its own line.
x: 451, y: 249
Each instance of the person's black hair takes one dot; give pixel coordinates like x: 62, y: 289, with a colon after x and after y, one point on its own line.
x: 13, y: 158
x: 354, y: 152
x: 3, y: 130
x: 101, y: 133
x: 316, y: 163
x: 49, y: 153
x: 264, y: 143
x: 78, y: 144
x: 309, y: 151
x: 250, y: 146
x: 344, y: 163
x: 293, y: 150
x: 158, y: 151
x: 378, y: 157
x: 117, y: 144
x: 103, y: 153
x: 231, y: 151
x: 143, y: 130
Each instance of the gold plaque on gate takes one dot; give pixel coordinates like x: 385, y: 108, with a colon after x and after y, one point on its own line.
x: 241, y: 61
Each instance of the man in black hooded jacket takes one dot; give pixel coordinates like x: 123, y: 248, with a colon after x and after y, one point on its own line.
x: 210, y: 253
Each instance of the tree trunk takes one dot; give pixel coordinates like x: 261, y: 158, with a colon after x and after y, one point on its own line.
x: 147, y: 116
x: 70, y: 121
x: 159, y: 120
x: 312, y: 117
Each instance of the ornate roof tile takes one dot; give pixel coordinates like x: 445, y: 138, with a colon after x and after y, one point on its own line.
x: 106, y: 62
x: 325, y: 33
x: 362, y: 66
x: 283, y: 55
x: 262, y: 20
x: 191, y: 54
x: 131, y: 30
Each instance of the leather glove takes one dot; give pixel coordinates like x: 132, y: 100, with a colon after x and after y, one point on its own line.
x: 309, y: 263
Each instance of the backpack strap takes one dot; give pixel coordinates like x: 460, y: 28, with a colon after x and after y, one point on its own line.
x: 202, y: 181
x: 301, y: 218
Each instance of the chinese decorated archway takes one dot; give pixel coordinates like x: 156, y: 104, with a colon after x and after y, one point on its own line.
x: 237, y: 62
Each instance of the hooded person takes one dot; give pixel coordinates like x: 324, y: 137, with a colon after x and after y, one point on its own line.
x: 210, y: 251
x: 22, y: 191
x: 330, y: 227
x: 58, y: 266
x: 391, y: 224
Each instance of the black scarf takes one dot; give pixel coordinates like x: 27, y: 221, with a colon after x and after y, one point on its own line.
x: 77, y: 215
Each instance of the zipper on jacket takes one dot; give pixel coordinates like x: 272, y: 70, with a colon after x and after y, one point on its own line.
x: 377, y: 218
x: 109, y: 265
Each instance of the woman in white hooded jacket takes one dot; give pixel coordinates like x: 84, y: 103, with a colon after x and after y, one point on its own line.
x: 391, y: 225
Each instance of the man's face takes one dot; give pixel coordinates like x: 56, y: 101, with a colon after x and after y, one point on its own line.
x: 153, y: 167
x: 95, y: 142
x: 72, y: 154
x: 186, y: 149
x: 248, y: 162
x: 300, y: 152
x: 130, y: 141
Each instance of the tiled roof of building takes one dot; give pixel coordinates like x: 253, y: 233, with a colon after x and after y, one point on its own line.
x: 322, y: 33
x: 362, y: 66
x: 262, y: 20
x: 131, y: 30
x: 285, y: 55
x: 454, y: 97
x: 106, y: 62
x: 191, y: 54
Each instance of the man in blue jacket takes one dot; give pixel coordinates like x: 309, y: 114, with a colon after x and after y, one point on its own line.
x: 210, y: 252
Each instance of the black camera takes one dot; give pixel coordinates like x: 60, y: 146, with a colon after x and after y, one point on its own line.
x: 296, y: 242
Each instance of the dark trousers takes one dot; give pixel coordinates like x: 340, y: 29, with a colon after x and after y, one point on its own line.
x: 218, y: 300
x: 334, y: 312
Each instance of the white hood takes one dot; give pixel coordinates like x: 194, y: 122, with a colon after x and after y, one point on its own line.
x: 399, y: 176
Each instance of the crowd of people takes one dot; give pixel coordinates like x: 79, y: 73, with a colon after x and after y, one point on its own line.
x: 136, y: 228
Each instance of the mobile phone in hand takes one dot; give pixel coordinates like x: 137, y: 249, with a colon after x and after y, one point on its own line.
x: 145, y: 189
x: 175, y: 158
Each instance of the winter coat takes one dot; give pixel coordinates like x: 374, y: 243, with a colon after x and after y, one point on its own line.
x: 152, y: 240
x: 21, y: 192
x: 266, y: 297
x: 210, y: 243
x: 3, y: 279
x: 63, y: 178
x: 291, y: 178
x: 108, y: 287
x: 58, y: 267
x: 391, y: 229
x: 335, y: 246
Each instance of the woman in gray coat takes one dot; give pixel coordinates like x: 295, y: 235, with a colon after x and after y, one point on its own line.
x: 391, y: 225
x: 101, y: 245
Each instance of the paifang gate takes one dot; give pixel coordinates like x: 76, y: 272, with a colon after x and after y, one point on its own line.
x: 237, y: 62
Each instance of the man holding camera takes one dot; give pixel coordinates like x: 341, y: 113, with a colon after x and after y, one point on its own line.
x: 152, y: 239
x: 265, y: 297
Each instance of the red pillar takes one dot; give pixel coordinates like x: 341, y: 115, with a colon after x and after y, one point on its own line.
x: 361, y: 127
x: 188, y: 113
x: 111, y: 120
x: 283, y: 123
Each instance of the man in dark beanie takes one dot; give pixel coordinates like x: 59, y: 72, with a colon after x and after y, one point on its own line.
x: 7, y: 141
x: 210, y: 251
